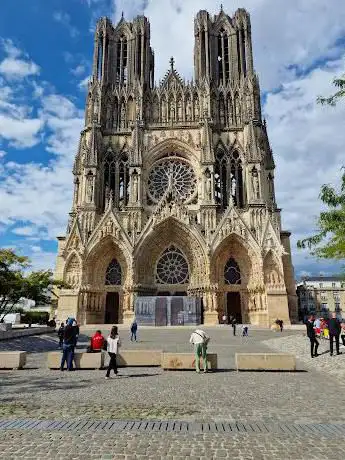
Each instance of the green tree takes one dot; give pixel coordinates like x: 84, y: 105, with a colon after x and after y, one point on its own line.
x: 329, y: 241
x: 16, y: 282
x: 339, y: 83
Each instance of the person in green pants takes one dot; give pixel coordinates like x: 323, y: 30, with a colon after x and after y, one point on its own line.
x: 199, y: 339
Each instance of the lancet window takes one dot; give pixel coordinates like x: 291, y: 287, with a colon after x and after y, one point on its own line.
x: 113, y: 275
x: 223, y: 57
x: 232, y: 273
x: 116, y: 179
x: 122, y: 60
x: 229, y: 179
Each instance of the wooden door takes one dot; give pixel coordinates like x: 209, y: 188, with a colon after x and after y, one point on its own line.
x: 233, y: 307
x: 112, y: 308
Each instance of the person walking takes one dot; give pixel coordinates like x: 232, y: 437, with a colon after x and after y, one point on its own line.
x: 113, y: 344
x: 342, y: 333
x: 68, y: 346
x: 334, y: 333
x: 233, y: 323
x: 199, y: 339
x: 60, y: 334
x: 134, y: 328
x: 314, y: 344
x: 281, y: 325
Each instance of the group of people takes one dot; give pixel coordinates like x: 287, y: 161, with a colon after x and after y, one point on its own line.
x: 233, y: 323
x: 68, y: 337
x: 332, y: 329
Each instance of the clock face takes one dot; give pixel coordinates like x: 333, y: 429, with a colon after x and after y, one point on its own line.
x: 174, y: 173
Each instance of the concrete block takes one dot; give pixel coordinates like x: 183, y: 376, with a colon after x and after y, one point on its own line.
x: 82, y: 360
x: 187, y: 361
x: 12, y: 359
x: 139, y: 358
x: 265, y: 361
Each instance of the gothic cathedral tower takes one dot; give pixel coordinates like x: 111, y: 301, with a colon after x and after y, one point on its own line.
x: 174, y: 183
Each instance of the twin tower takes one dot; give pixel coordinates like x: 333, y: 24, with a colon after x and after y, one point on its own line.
x: 174, y: 186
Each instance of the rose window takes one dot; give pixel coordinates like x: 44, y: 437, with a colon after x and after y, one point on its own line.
x: 172, y: 267
x: 174, y: 174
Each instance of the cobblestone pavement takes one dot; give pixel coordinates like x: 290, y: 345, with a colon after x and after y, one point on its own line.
x: 156, y: 446
x: 150, y: 393
x: 300, y: 346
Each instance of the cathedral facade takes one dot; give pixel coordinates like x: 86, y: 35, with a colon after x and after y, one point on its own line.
x: 174, y: 183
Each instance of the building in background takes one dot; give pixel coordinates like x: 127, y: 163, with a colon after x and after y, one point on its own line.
x: 321, y: 295
x: 174, y: 184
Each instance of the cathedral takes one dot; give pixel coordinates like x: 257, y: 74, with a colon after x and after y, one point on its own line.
x: 174, y: 184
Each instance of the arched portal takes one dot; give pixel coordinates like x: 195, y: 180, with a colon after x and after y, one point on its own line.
x: 113, y: 277
x: 170, y: 256
x: 106, y: 273
x: 231, y: 269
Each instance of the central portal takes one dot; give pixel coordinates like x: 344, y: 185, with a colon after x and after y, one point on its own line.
x: 168, y: 310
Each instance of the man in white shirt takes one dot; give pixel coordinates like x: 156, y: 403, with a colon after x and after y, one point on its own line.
x: 200, y: 340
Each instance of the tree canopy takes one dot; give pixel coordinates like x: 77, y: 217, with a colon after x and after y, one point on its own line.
x: 329, y: 241
x: 339, y: 83
x: 17, y: 282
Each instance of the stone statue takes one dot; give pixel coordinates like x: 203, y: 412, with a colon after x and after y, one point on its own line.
x: 76, y: 191
x: 255, y: 183
x: 196, y: 109
x: 89, y: 189
x: 208, y: 185
x: 188, y: 109
x: 135, y: 187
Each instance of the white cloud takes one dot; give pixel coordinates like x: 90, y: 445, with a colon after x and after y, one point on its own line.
x: 82, y: 85
x: 65, y: 19
x: 12, y: 66
x: 2, y: 153
x: 25, y: 231
x: 79, y: 70
x: 17, y: 68
x: 20, y: 133
x: 308, y: 143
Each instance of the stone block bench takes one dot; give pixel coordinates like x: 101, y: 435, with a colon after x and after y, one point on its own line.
x: 186, y: 361
x: 83, y: 360
x: 265, y: 362
x: 144, y: 358
x: 12, y: 359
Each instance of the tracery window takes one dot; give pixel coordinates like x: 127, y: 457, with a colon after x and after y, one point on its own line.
x: 229, y: 179
x: 172, y: 267
x: 113, y: 275
x: 174, y: 173
x: 232, y: 273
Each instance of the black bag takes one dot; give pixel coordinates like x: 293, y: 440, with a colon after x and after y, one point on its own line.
x: 105, y: 345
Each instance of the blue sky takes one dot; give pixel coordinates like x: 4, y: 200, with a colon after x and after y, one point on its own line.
x: 45, y: 58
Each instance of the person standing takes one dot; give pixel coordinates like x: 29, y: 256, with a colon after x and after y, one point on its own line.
x: 281, y: 325
x: 199, y: 339
x: 68, y: 346
x: 233, y: 323
x: 314, y: 344
x: 60, y: 334
x: 334, y: 333
x: 113, y: 344
x: 134, y: 328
